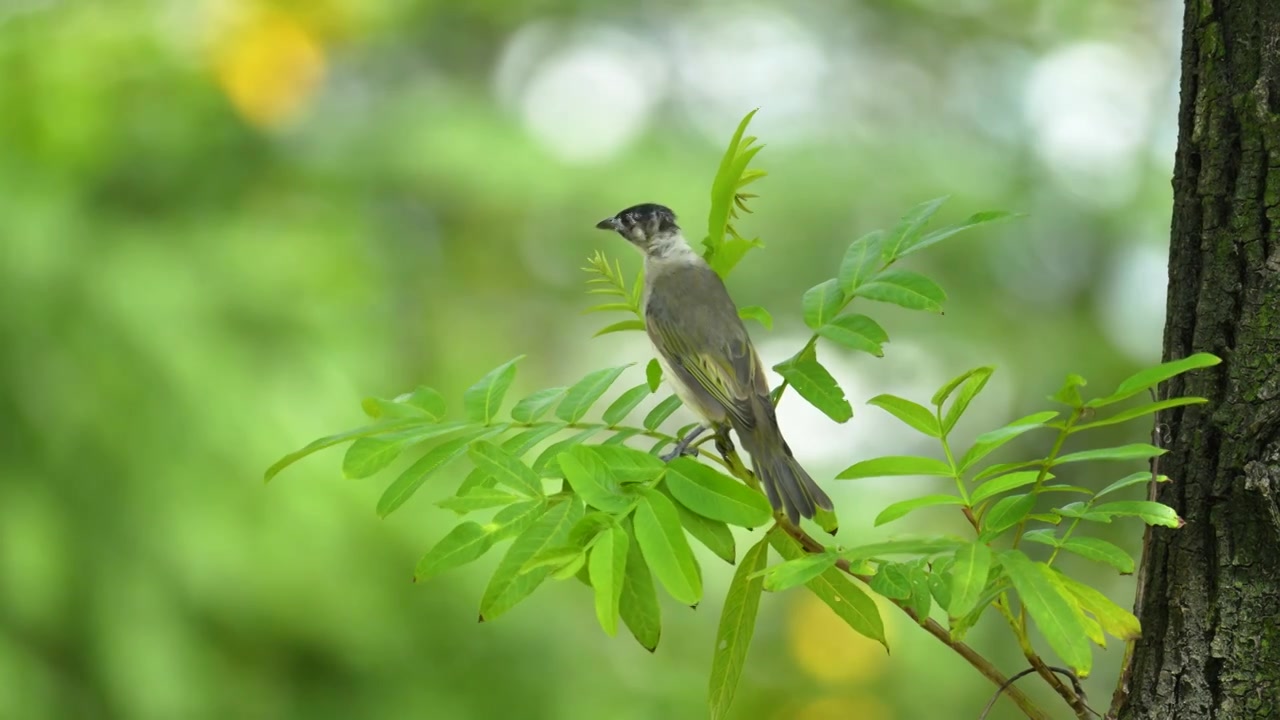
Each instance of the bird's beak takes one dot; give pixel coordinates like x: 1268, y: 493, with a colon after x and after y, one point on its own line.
x: 610, y: 223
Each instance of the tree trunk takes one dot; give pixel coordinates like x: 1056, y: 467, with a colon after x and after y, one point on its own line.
x: 1210, y: 603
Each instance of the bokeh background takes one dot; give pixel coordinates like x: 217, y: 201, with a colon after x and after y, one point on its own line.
x: 224, y: 222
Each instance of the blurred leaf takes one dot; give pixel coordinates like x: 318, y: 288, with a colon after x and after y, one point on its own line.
x: 1151, y: 513
x: 737, y: 625
x: 974, y: 381
x: 626, y: 402
x: 1006, y: 513
x: 661, y: 412
x: 482, y: 400
x: 903, y: 546
x: 1152, y: 377
x: 437, y: 457
x: 1069, y: 393
x: 895, y: 465
x: 799, y: 571
x: 816, y: 385
x: 904, y: 288
x: 423, y: 402
x: 608, y: 568
x: 856, y: 332
x: 583, y: 394
x: 478, y: 499
x: 464, y: 543
x: 968, y: 578
x: 629, y: 465
x: 507, y: 469
x: 839, y: 593
x: 1139, y: 478
x: 715, y: 495
x: 821, y: 303
x: 913, y: 414
x: 937, y: 236
x: 1115, y: 620
x: 989, y: 441
x: 661, y: 539
x: 861, y: 261
x: 1136, y: 451
x: 331, y: 440
x: 1137, y: 412
x: 639, y: 607
x: 537, y: 404
x: 1004, y: 483
x: 907, y: 232
x: 508, y: 586
x: 757, y: 313
x: 591, y: 480
x: 1053, y: 613
x: 900, y: 509
x: 620, y: 326
x: 1099, y: 551
x: 653, y: 375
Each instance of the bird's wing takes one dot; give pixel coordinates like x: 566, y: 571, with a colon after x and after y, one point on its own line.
x: 698, y: 332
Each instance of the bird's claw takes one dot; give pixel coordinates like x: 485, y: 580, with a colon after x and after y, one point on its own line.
x: 678, y: 452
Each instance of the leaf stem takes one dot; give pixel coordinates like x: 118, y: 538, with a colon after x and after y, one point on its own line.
x: 1044, y: 469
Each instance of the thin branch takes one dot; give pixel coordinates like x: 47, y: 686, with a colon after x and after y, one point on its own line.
x: 1008, y: 684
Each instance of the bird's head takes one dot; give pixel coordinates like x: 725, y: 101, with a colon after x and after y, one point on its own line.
x: 650, y: 227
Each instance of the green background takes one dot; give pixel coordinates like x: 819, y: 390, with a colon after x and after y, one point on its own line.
x: 223, y: 223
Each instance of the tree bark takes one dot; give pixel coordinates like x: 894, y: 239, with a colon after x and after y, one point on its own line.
x: 1210, y: 603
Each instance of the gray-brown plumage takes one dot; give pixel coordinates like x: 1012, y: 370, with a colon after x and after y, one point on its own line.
x: 707, y: 355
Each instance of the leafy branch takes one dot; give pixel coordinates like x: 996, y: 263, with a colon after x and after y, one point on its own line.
x: 590, y: 499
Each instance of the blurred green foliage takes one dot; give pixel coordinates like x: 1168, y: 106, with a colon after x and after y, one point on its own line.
x: 224, y: 223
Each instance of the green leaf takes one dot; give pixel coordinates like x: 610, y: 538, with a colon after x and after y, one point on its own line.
x: 478, y: 499
x: 1099, y: 551
x: 798, y: 571
x: 1115, y: 620
x: 1004, y: 483
x: 325, y: 442
x: 939, y: 580
x: 839, y: 593
x: 1002, y: 468
x: 899, y: 509
x: 1006, y: 513
x: 509, y: 586
x: 482, y: 400
x: 724, y: 188
x: 661, y: 412
x: 907, y: 231
x: 974, y: 382
x: 1069, y: 393
x: 608, y: 569
x: 1044, y: 536
x: 713, y: 534
x: 424, y: 402
x: 661, y: 539
x: 620, y: 326
x: 628, y: 465
x: 895, y: 465
x: 968, y: 578
x: 369, y: 455
x: 821, y: 303
x: 556, y: 559
x: 404, y: 486
x: 944, y: 392
x: 1054, y: 614
x: 653, y: 375
x: 537, y: 404
x: 988, y: 442
x: 861, y: 261
x: 921, y: 598
x: 1151, y: 513
x: 757, y: 313
x: 515, y: 519
x: 856, y: 332
x: 626, y: 402
x: 891, y: 581
x: 506, y: 468
x: 592, y: 481
x: 1152, y: 377
x: 904, y: 288
x: 915, y: 415
x: 464, y: 543
x: 639, y: 607
x: 583, y: 394
x: 903, y: 546
x: 547, y: 464
x: 1139, y: 478
x: 1136, y: 451
x: 715, y: 495
x: 737, y: 625
x: 816, y: 385
x: 516, y: 445
x: 937, y: 236
x: 1141, y: 410
x: 1081, y: 511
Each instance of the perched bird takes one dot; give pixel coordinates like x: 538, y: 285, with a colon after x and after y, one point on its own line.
x: 708, y: 357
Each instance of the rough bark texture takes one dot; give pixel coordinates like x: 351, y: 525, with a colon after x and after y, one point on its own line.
x: 1210, y: 610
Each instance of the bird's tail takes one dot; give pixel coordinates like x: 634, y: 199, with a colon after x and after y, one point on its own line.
x: 787, y: 484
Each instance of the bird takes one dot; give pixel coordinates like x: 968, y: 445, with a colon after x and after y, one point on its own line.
x: 708, y: 359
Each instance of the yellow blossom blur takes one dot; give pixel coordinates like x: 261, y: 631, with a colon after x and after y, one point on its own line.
x: 270, y: 66
x: 844, y: 707
x: 826, y: 648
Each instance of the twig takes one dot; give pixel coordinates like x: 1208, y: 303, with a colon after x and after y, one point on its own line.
x: 1008, y: 685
